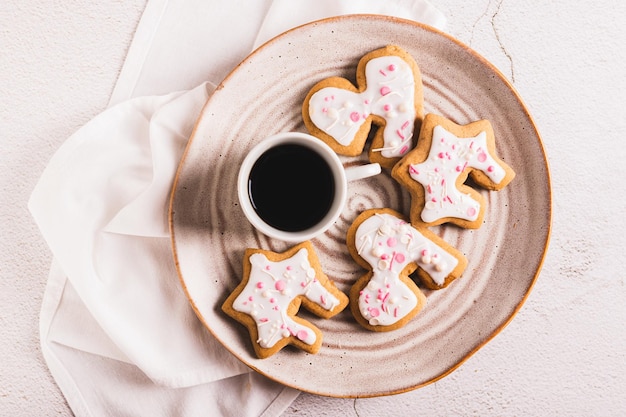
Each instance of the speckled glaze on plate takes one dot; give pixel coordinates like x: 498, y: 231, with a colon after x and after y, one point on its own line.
x: 263, y: 96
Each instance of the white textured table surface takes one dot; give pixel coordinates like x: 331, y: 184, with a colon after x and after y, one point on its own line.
x: 565, y: 352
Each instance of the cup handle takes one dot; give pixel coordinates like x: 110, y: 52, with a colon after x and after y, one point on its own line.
x: 362, y: 171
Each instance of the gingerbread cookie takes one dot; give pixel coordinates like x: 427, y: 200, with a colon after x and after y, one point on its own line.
x: 273, y: 287
x: 435, y: 171
x: 388, y: 94
x: 381, y: 241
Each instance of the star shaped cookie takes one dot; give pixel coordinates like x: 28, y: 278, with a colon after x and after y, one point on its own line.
x: 435, y: 172
x: 273, y: 288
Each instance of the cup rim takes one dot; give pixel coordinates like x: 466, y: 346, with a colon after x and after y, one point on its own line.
x: 321, y: 148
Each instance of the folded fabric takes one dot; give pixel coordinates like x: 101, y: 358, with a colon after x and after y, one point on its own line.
x: 117, y: 331
x: 100, y: 206
x: 96, y: 384
x: 181, y: 43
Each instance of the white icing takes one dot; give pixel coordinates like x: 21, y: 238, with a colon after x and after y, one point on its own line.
x: 389, y: 244
x: 271, y: 287
x: 390, y: 94
x: 448, y: 158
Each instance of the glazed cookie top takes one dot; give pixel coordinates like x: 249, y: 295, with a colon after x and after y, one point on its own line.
x: 384, y: 243
x: 271, y: 294
x: 435, y: 172
x: 389, y: 243
x: 389, y: 94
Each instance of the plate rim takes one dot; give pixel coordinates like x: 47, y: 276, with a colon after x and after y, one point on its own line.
x: 483, y: 61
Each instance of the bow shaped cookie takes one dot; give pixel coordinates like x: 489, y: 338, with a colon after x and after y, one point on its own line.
x: 389, y: 94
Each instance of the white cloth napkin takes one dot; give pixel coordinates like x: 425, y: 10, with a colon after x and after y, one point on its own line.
x: 117, y: 332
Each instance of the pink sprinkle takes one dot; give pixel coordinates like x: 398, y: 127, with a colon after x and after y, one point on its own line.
x: 387, y: 107
x: 302, y: 335
x: 490, y: 168
x: 251, y: 298
x: 437, y: 169
x: 399, y: 133
x: 391, y: 67
x: 382, y: 72
x: 385, y: 90
x: 482, y: 157
x: 453, y: 147
x: 280, y: 285
x: 449, y: 199
x: 395, y: 312
x: 272, y: 300
x: 391, y: 242
x: 434, y: 200
x: 264, y: 320
x: 429, y: 189
x: 385, y: 297
x: 366, y: 101
x: 384, y: 256
x: 324, y: 110
x: 405, y: 125
x: 289, y: 268
x: 412, y: 170
x: 354, y: 116
x: 404, y: 149
x: 425, y: 252
x: 322, y: 300
x: 259, y: 285
x: 443, y: 181
x: 374, y: 312
x: 459, y: 168
x: 440, y: 155
x: 276, y: 308
x: 267, y: 268
x: 471, y: 211
x: 400, y: 257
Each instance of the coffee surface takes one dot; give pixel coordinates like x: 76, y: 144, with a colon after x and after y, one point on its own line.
x: 291, y: 187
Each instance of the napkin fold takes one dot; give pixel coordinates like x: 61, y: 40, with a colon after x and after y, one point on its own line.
x: 117, y: 331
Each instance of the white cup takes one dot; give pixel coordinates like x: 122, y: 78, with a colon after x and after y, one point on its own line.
x: 340, y: 177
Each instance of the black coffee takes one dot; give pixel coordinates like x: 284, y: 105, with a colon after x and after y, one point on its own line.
x: 291, y: 187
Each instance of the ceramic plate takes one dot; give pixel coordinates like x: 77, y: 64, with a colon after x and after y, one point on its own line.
x: 263, y: 96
